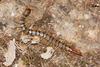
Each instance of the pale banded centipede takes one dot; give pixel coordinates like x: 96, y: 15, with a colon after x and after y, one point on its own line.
x: 58, y: 43
x: 49, y: 38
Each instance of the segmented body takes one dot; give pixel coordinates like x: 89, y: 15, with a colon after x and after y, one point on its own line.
x: 25, y: 14
x: 63, y: 45
x: 56, y: 42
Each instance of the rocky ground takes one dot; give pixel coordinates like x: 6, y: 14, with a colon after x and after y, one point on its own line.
x: 49, y: 33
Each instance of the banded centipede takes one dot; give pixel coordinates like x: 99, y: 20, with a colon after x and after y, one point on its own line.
x: 58, y: 43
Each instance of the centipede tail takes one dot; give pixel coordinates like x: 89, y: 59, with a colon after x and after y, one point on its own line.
x: 75, y: 51
x: 27, y: 12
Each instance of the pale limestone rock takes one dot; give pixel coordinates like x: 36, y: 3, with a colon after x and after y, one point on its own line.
x: 10, y: 55
x: 48, y: 54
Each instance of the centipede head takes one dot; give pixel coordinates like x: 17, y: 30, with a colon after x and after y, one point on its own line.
x: 27, y: 12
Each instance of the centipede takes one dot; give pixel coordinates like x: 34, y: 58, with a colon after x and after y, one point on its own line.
x: 35, y: 32
x: 61, y: 44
